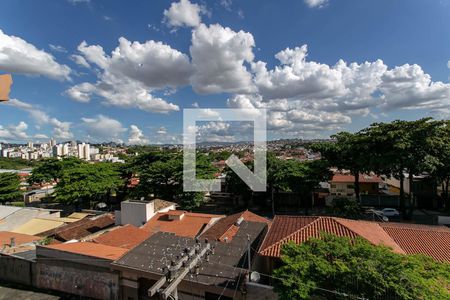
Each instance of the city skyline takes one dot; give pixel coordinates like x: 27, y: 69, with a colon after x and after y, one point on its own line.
x: 107, y: 71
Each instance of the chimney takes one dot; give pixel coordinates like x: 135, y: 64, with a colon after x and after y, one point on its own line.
x: 13, y: 242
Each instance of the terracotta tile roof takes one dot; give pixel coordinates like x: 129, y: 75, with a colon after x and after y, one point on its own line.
x: 19, y: 238
x: 81, y: 228
x: 283, y: 226
x: 191, y: 225
x: 312, y: 227
x: 226, y: 229
x: 127, y: 236
x: 90, y: 249
x: 363, y: 178
x: 433, y: 241
x: 372, y: 232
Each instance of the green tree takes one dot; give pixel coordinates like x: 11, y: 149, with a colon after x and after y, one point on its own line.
x: 88, y: 183
x: 161, y: 174
x: 348, y: 151
x: 9, y: 187
x: 51, y: 169
x: 358, y: 268
x: 402, y: 146
x: 441, y: 170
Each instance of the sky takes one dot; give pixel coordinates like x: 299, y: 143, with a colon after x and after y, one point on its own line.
x: 123, y: 71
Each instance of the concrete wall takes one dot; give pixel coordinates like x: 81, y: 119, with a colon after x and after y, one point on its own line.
x: 17, y: 270
x: 77, y: 279
x: 135, y: 212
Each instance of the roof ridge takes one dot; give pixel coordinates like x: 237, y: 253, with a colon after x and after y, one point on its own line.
x: 418, y: 228
x: 295, y: 232
x: 335, y: 219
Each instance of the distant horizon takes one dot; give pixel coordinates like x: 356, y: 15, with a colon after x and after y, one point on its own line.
x: 114, y: 71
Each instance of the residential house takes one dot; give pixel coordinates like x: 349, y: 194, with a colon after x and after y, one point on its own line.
x: 403, y: 238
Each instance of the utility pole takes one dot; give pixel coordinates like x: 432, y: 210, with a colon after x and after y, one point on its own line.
x: 248, y: 254
x: 178, y: 270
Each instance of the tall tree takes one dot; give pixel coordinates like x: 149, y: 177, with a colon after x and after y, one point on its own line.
x: 333, y: 265
x: 402, y: 146
x: 87, y: 184
x: 441, y: 167
x: 9, y: 187
x: 51, y: 169
x: 161, y: 174
x: 348, y: 151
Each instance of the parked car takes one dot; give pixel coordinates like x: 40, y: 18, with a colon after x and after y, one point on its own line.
x: 390, y: 212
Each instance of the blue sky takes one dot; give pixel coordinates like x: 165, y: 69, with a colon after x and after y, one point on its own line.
x: 365, y: 61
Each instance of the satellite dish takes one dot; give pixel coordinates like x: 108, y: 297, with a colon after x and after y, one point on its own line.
x: 255, y: 277
x: 385, y: 219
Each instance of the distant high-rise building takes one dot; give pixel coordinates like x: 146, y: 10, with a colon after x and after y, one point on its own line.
x: 81, y: 151
x: 65, y: 150
x: 52, y: 142
x: 57, y: 150
x: 30, y: 145
x: 87, y: 152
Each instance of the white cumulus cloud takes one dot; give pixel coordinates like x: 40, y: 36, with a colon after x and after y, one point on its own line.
x: 218, y: 56
x: 130, y: 74
x: 19, y: 56
x: 136, y: 136
x: 103, y: 128
x: 184, y: 14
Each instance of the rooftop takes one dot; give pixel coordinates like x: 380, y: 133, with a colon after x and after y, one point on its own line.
x: 363, y: 178
x: 161, y: 204
x: 90, y: 249
x: 433, y: 241
x: 81, y: 228
x: 299, y: 229
x: 19, y: 238
x: 225, y: 266
x: 127, y: 236
x: 226, y: 228
x: 191, y: 225
x: 38, y: 225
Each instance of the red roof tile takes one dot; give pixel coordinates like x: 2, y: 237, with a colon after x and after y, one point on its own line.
x: 283, y: 226
x: 19, y: 238
x: 191, y: 225
x: 90, y: 249
x: 312, y: 227
x: 363, y: 178
x: 225, y: 228
x: 127, y: 237
x: 433, y: 241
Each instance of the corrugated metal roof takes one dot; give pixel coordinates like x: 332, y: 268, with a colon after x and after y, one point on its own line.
x: 37, y: 226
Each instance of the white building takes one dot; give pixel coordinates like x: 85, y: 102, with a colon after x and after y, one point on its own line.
x: 138, y: 212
